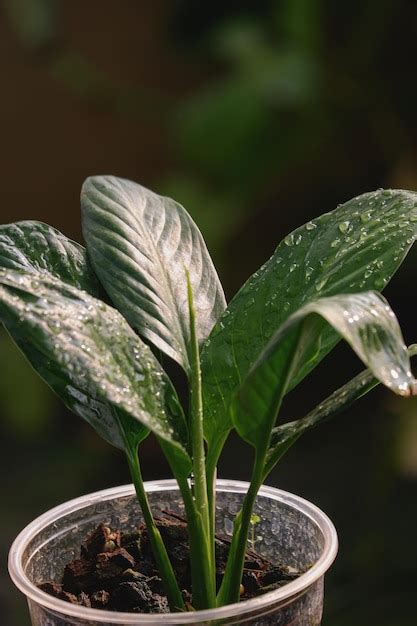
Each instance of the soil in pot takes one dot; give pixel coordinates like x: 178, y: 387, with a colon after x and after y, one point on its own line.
x: 116, y: 570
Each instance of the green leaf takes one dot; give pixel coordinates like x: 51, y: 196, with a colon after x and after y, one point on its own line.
x: 358, y: 246
x: 88, y: 352
x: 285, y: 435
x: 364, y: 320
x: 40, y: 249
x: 140, y: 245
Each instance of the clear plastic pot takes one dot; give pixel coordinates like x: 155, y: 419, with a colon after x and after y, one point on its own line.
x: 291, y: 530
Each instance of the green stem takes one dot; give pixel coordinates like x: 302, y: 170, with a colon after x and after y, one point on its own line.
x: 200, y: 530
x: 196, y: 421
x: 175, y: 599
x: 202, y: 576
x: 211, y: 473
x: 230, y: 587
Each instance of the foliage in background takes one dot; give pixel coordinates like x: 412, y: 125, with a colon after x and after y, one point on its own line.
x: 26, y: 404
x: 285, y: 91
x: 35, y: 21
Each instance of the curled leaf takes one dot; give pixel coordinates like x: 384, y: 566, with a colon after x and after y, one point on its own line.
x: 356, y: 247
x: 285, y: 435
x: 364, y: 320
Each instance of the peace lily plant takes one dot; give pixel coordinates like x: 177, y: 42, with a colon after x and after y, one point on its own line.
x: 94, y: 322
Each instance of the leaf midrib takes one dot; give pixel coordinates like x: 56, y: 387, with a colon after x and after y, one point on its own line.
x: 129, y: 201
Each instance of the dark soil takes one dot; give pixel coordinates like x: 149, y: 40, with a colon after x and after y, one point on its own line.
x: 116, y: 570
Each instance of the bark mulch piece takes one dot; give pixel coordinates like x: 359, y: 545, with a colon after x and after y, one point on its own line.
x: 116, y: 570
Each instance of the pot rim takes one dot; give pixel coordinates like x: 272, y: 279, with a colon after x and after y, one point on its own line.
x: 287, y: 592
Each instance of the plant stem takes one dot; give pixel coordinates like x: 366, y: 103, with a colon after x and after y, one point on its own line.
x: 175, y: 599
x: 203, y: 577
x: 196, y: 421
x: 211, y: 468
x: 201, y: 530
x: 230, y: 587
x: 211, y: 474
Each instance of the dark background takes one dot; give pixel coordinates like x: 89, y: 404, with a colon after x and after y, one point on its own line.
x: 257, y: 116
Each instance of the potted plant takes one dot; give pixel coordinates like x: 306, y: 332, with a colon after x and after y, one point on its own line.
x: 95, y: 325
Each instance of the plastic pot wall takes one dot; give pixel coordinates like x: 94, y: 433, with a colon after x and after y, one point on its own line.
x: 291, y: 530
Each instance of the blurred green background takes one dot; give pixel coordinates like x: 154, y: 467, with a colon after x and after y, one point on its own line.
x: 257, y: 116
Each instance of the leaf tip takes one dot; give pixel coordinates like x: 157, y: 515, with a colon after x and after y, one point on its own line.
x: 91, y: 183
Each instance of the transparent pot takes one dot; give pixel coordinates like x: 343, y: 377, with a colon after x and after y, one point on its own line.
x: 291, y: 530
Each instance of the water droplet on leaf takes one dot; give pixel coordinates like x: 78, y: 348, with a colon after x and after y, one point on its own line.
x: 344, y: 226
x: 366, y: 216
